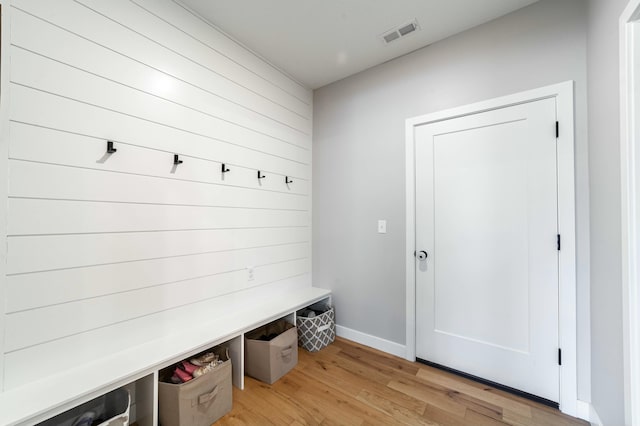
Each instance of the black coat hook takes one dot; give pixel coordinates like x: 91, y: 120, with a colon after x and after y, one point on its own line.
x: 176, y: 159
x: 110, y: 148
x: 225, y: 169
x: 260, y: 175
x: 287, y: 180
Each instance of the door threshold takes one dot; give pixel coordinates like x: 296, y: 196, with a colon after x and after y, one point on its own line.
x: 511, y: 390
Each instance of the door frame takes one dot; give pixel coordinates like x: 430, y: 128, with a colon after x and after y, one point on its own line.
x: 567, y: 316
x: 630, y: 203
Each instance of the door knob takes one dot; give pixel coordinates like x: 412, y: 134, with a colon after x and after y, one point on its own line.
x: 421, y: 255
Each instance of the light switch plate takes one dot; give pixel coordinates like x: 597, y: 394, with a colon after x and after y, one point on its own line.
x: 382, y: 226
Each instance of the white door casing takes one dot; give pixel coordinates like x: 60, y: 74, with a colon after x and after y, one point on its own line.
x: 630, y: 197
x: 563, y: 95
x: 486, y: 210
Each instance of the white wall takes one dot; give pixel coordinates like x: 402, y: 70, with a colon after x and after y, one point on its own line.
x: 105, y: 250
x: 358, y: 159
x: 607, y: 373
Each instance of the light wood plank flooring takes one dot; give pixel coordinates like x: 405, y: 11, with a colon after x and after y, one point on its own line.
x: 350, y: 384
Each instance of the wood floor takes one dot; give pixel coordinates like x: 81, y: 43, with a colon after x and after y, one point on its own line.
x: 350, y: 384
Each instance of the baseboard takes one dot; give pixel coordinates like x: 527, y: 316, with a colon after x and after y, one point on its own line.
x: 586, y: 411
x: 383, y: 345
x: 583, y: 410
x: 594, y: 418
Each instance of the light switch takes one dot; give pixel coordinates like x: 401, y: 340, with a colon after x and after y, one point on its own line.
x: 382, y: 226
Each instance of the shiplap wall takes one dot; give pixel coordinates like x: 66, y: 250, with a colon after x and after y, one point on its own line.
x: 105, y: 251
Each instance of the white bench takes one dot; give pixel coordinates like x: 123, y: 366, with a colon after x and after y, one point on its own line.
x: 52, y: 395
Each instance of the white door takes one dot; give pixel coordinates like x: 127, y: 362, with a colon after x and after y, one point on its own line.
x: 487, y: 218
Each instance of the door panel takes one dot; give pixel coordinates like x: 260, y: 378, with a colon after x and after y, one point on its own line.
x: 486, y: 212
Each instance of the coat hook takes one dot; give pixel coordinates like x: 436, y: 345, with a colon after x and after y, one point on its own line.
x: 287, y: 180
x: 260, y: 175
x: 176, y: 159
x: 110, y: 148
x: 225, y: 169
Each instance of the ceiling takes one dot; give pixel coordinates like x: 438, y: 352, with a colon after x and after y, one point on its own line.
x: 318, y: 42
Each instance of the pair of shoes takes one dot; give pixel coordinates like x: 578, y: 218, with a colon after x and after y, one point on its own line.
x: 186, y: 371
x: 203, y: 360
x: 195, y: 367
x: 197, y: 371
x: 204, y: 369
x: 188, y: 367
x: 182, y: 375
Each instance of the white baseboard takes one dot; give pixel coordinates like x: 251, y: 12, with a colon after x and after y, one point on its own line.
x: 586, y: 411
x: 583, y: 410
x: 594, y: 419
x: 383, y: 345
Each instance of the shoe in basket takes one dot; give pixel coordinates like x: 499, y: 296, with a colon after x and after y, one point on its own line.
x: 203, y: 360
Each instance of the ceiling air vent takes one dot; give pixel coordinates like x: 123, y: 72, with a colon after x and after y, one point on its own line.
x: 388, y: 38
x: 400, y: 31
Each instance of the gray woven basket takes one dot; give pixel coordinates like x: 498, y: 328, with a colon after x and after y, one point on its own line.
x: 317, y: 332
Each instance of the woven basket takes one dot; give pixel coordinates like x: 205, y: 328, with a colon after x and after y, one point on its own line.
x: 317, y: 332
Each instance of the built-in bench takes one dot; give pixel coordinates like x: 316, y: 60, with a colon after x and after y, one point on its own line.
x: 54, y: 394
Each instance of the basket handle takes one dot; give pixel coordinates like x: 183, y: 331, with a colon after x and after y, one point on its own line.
x: 209, y: 396
x: 286, y: 352
x: 324, y: 327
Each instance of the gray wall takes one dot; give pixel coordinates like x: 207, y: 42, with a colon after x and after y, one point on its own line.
x: 358, y: 159
x: 604, y: 170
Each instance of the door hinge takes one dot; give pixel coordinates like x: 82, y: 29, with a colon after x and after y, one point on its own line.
x: 559, y: 356
x: 557, y: 129
x: 558, y: 242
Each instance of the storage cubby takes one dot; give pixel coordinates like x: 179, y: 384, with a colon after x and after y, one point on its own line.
x: 316, y: 326
x: 271, y: 350
x: 134, y: 402
x: 137, y: 368
x: 197, y: 390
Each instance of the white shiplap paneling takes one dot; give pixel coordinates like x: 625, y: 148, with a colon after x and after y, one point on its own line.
x: 42, y: 145
x: 102, y: 30
x: 180, y: 17
x: 5, y: 36
x: 139, y: 20
x: 24, y: 329
x: 53, y: 77
x: 29, y: 364
x: 60, y: 45
x: 54, y: 112
x: 41, y: 180
x: 108, y: 250
x: 43, y: 252
x: 64, y: 285
x: 26, y: 218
